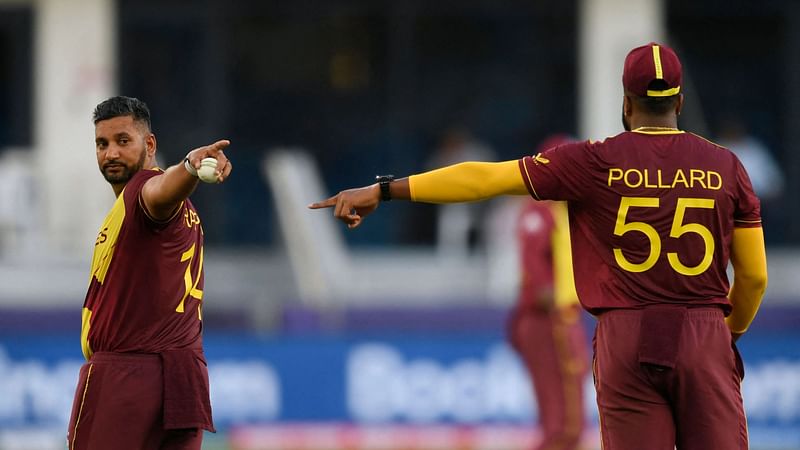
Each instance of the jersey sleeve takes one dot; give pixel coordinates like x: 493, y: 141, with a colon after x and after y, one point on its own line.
x: 133, y: 200
x: 558, y: 173
x: 748, y: 206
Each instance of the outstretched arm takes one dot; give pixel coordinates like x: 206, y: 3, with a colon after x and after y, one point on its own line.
x: 163, y: 194
x: 749, y: 260
x: 464, y: 182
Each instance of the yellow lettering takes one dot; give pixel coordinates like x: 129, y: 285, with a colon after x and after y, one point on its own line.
x: 191, y: 218
x: 102, y: 236
x: 190, y: 282
x: 647, y: 180
x: 628, y: 183
x: 678, y: 230
x: 660, y: 181
x: 697, y: 175
x: 717, y: 183
x: 680, y: 177
x: 614, y: 174
x: 654, y: 179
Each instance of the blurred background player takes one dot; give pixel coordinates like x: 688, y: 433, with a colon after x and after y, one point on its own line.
x: 765, y: 172
x: 545, y: 326
x: 145, y: 382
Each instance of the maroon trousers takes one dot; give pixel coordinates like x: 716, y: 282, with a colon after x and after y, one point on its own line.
x: 119, y: 405
x: 553, y: 346
x: 666, y: 378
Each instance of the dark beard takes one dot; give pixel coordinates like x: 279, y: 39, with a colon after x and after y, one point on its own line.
x: 126, y: 173
x: 625, y: 123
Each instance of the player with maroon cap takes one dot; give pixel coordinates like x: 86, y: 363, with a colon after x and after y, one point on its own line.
x: 145, y: 382
x: 656, y: 214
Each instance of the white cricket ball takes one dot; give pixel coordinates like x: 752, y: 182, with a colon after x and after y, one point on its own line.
x: 207, y: 170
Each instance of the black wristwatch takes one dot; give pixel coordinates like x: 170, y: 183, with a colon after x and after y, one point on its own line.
x: 383, y: 181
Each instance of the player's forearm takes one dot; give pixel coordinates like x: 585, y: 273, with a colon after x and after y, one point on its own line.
x: 467, y: 182
x: 749, y: 260
x: 163, y: 194
x: 458, y: 183
x: 746, y: 299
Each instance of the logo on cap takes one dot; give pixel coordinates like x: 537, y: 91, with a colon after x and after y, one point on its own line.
x: 652, y: 70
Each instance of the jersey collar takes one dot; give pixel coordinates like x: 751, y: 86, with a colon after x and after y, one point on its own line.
x: 658, y: 130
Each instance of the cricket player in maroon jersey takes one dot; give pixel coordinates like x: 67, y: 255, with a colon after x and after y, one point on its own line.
x: 656, y: 214
x: 145, y: 382
x: 545, y: 325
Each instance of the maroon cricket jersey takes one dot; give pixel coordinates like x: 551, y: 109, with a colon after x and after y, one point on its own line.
x: 535, y: 226
x: 545, y: 255
x: 651, y: 216
x: 146, y: 282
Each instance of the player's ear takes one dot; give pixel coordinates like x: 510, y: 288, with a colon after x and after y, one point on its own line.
x: 679, y: 105
x: 627, y: 105
x: 150, y: 144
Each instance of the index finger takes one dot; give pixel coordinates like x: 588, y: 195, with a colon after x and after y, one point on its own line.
x: 215, y: 151
x: 330, y: 202
x: 220, y: 144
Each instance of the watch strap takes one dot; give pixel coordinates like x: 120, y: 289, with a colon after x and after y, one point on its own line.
x: 383, y: 182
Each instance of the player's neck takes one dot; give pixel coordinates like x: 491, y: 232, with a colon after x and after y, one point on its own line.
x: 666, y: 122
x: 118, y: 187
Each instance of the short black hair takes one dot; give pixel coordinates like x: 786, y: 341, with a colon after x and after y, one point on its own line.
x: 122, y: 106
x: 657, y: 105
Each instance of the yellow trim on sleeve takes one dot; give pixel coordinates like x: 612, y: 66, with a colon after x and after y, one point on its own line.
x: 412, y: 192
x: 749, y: 260
x: 530, y: 182
x: 467, y: 182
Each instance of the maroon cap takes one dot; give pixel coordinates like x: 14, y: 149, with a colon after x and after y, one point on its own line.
x: 652, y: 70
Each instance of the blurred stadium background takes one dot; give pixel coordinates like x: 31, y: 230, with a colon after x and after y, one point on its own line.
x: 390, y: 337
